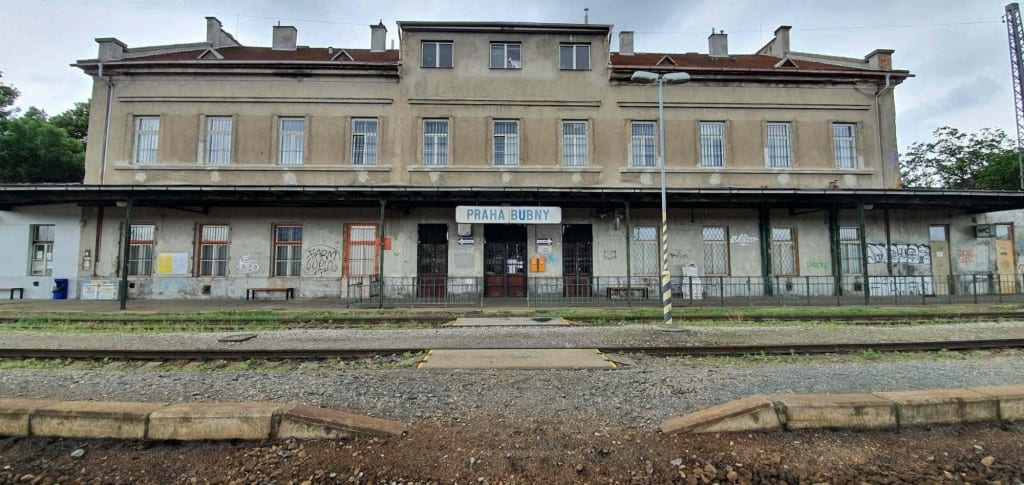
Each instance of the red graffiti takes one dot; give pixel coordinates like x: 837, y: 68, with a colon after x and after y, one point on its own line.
x: 965, y: 256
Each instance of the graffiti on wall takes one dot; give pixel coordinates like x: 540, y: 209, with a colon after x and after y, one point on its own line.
x: 321, y: 259
x: 966, y: 256
x: 247, y: 265
x: 900, y: 253
x: 743, y: 239
x: 901, y: 285
x: 816, y: 265
x: 678, y: 254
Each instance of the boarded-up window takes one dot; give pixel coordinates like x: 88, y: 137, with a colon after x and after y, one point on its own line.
x: 784, y: 251
x: 360, y: 249
x: 213, y: 250
x: 716, y: 250
x: 140, y: 249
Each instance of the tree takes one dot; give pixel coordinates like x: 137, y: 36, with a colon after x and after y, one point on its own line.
x: 75, y: 121
x: 957, y: 160
x: 7, y: 96
x: 34, y: 151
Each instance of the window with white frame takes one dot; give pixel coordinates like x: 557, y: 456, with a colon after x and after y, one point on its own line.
x: 641, y: 144
x: 213, y: 250
x: 574, y: 143
x: 435, y: 142
x: 360, y: 249
x: 42, y: 249
x: 784, y: 261
x: 849, y: 250
x: 712, y: 144
x: 506, y: 55
x: 364, y: 141
x: 778, y: 151
x: 844, y: 141
x: 291, y: 141
x: 218, y: 140
x: 436, y: 55
x: 140, y: 249
x: 644, y: 252
x: 288, y: 250
x: 147, y: 134
x: 506, y: 142
x: 716, y: 250
x: 574, y: 57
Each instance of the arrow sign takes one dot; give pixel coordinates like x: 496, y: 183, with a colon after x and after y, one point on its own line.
x: 546, y: 241
x: 465, y: 240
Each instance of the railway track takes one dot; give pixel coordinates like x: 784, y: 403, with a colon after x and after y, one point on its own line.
x: 690, y: 351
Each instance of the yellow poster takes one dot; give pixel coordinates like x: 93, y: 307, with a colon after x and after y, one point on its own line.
x: 164, y: 263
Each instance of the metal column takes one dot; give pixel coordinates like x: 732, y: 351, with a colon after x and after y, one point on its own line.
x: 380, y: 256
x: 126, y: 239
x: 629, y: 260
x: 764, y: 227
x: 833, y: 249
x: 863, y: 252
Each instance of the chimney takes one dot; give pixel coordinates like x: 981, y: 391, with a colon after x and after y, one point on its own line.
x: 626, y: 42
x: 111, y: 49
x: 285, y: 38
x: 718, y: 44
x: 880, y: 59
x: 378, y: 37
x: 782, y: 40
x: 216, y: 36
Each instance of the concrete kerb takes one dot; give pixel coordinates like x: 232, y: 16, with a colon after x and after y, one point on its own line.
x: 880, y: 410
x: 191, y: 421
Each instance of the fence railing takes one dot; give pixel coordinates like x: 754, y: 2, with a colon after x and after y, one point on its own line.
x: 374, y: 291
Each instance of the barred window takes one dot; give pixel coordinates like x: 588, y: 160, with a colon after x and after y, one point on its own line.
x: 716, y: 250
x: 574, y: 143
x: 360, y: 249
x: 218, y: 140
x: 849, y: 250
x: 147, y: 133
x: 641, y: 143
x: 845, y: 144
x: 42, y: 249
x: 506, y: 143
x: 287, y: 250
x: 435, y: 142
x: 364, y: 141
x: 778, y: 150
x: 784, y: 251
x: 291, y: 141
x: 140, y: 249
x: 644, y: 253
x: 213, y: 250
x: 712, y: 144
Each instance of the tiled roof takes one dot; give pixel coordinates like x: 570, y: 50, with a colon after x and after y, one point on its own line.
x: 316, y: 54
x: 702, y: 61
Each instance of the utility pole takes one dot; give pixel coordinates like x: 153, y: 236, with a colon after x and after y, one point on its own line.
x: 1015, y: 33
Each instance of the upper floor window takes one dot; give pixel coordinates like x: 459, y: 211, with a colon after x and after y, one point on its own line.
x: 140, y: 249
x: 574, y: 143
x: 42, y: 249
x: 712, y: 144
x: 147, y: 132
x: 574, y: 57
x: 777, y: 154
x: 506, y: 55
x: 435, y: 142
x: 641, y: 143
x: 437, y: 54
x: 291, y: 141
x: 218, y: 140
x: 287, y: 250
x: 506, y: 142
x: 844, y: 141
x: 364, y: 141
x: 213, y: 250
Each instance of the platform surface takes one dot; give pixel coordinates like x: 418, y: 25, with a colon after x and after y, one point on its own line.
x: 516, y: 359
x: 508, y: 321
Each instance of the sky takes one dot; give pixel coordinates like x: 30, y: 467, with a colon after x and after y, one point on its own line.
x: 957, y: 49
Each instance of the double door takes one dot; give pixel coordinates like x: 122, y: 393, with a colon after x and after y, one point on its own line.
x: 505, y: 261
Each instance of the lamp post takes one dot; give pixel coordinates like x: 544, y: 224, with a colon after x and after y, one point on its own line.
x: 646, y: 77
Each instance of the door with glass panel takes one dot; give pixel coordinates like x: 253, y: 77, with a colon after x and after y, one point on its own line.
x: 1005, y: 266
x: 577, y: 259
x: 432, y: 261
x: 504, y: 260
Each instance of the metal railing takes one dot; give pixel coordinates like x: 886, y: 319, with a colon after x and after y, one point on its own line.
x: 611, y: 291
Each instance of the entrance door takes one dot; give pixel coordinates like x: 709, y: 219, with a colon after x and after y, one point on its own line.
x: 504, y: 260
x: 432, y: 261
x: 577, y: 259
x: 1005, y: 267
x: 938, y: 241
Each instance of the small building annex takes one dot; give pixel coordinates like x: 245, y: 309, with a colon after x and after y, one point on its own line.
x: 504, y: 162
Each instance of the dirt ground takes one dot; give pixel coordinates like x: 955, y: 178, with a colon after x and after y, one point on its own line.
x: 517, y: 450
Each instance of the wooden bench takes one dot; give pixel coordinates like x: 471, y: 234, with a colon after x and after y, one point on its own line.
x: 21, y: 292
x: 619, y: 290
x: 250, y: 293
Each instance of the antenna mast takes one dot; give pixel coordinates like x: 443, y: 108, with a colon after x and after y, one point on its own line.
x: 1015, y: 32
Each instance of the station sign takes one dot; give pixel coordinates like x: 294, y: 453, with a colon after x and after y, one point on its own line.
x: 480, y: 214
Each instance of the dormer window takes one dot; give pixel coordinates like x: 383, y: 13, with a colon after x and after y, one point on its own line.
x: 506, y: 55
x: 437, y: 55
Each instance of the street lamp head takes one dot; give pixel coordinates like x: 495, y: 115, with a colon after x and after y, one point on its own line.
x: 645, y: 77
x: 676, y: 78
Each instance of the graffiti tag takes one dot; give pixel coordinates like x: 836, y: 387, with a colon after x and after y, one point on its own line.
x: 247, y: 265
x: 816, y: 264
x: 900, y: 253
x: 743, y: 239
x: 678, y: 254
x: 321, y: 259
x: 966, y: 256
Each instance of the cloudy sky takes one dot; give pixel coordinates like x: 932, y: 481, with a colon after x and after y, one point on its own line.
x: 957, y: 49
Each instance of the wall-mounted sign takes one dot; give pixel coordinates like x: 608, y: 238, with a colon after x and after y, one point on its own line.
x: 466, y: 240
x: 172, y: 264
x: 474, y: 214
x: 545, y: 241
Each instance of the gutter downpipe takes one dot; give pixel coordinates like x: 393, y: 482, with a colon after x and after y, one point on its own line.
x: 878, y: 120
x: 103, y: 169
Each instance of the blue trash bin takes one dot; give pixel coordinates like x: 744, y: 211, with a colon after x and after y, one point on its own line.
x: 60, y: 288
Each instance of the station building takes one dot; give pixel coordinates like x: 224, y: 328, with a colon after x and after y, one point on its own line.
x: 507, y: 162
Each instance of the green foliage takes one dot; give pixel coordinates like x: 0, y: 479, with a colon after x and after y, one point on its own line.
x: 75, y: 121
x: 957, y: 160
x: 35, y: 151
x: 8, y: 94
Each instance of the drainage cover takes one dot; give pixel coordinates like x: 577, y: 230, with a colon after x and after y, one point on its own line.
x: 541, y: 319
